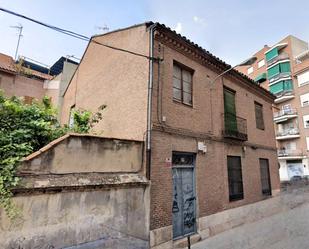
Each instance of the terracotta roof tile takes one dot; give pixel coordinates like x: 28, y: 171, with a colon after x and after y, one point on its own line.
x: 8, y: 64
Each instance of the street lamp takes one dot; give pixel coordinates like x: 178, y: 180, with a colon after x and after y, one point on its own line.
x: 247, y: 62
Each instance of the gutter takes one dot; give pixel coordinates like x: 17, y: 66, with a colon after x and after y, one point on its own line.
x: 149, y: 102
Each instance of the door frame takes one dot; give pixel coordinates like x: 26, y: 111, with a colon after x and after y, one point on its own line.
x: 194, y: 190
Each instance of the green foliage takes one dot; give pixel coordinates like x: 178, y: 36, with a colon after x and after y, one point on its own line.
x: 25, y: 128
x: 85, y: 120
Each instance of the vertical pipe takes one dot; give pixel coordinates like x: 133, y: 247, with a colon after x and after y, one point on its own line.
x: 149, y: 106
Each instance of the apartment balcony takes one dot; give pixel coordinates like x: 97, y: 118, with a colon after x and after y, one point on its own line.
x: 280, y: 57
x: 284, y: 115
x: 279, y: 76
x: 234, y: 127
x: 290, y: 154
x: 284, y: 96
x: 287, y: 134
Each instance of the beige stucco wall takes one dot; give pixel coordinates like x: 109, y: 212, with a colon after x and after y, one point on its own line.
x: 76, y: 154
x: 116, y: 79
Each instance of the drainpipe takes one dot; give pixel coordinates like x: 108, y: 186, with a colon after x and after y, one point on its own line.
x: 149, y: 102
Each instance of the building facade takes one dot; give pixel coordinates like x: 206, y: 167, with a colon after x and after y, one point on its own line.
x: 32, y: 81
x: 205, y: 148
x: 283, y: 70
x: 21, y: 81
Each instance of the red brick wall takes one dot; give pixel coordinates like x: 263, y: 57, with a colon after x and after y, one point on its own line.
x: 185, y: 126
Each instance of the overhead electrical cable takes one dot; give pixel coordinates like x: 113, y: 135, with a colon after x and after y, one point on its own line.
x: 75, y: 35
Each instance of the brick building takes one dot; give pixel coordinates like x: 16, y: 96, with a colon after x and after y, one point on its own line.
x: 207, y: 148
x: 33, y: 81
x: 15, y: 79
x: 283, y: 69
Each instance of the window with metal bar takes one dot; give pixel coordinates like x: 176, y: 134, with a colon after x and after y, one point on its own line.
x: 265, y: 176
x: 236, y: 191
x: 182, y: 84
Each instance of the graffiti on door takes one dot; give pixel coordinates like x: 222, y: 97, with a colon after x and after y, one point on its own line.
x: 183, y: 208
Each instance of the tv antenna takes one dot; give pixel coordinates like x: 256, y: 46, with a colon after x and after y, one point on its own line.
x: 104, y: 28
x: 19, y: 28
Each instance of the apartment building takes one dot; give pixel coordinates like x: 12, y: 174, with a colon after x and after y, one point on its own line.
x: 205, y: 148
x: 283, y: 70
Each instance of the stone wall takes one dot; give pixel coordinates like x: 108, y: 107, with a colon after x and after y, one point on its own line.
x: 74, y: 217
x: 80, y: 191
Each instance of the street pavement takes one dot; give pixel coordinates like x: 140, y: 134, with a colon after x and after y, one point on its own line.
x: 285, y: 230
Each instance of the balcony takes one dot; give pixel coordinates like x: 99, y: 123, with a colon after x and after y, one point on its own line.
x: 280, y: 76
x: 284, y: 115
x: 290, y: 154
x: 280, y: 57
x: 284, y: 96
x: 234, y: 127
x: 287, y: 134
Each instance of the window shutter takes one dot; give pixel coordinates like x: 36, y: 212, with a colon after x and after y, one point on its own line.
x: 273, y: 71
x: 259, y: 116
x: 271, y: 54
x: 285, y: 67
x: 276, y: 88
x: 303, y: 78
x: 229, y: 111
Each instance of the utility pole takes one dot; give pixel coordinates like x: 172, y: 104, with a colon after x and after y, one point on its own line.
x: 19, y: 27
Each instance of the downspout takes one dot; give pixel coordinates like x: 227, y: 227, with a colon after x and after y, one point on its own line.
x: 149, y: 102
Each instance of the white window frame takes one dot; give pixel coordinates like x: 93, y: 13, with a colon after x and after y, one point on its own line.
x: 261, y: 63
x: 304, y: 99
x: 303, y: 79
x: 250, y: 70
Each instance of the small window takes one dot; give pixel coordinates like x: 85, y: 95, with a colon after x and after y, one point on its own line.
x: 71, y: 117
x: 182, y: 84
x: 259, y: 119
x: 304, y: 99
x: 235, y: 178
x: 265, y: 177
x: 261, y: 63
x: 250, y: 70
x: 303, y: 79
x: 306, y: 121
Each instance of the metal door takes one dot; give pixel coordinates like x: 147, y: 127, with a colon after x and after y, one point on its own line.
x: 184, y: 201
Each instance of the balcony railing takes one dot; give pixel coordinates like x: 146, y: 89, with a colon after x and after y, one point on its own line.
x: 288, y: 132
x: 289, y: 153
x: 279, y: 76
x: 289, y: 92
x: 285, y: 112
x: 234, y: 127
x: 280, y: 57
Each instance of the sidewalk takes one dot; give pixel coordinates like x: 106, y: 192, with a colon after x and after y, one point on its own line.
x: 285, y: 230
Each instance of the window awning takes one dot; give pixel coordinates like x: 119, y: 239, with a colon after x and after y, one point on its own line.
x: 260, y: 78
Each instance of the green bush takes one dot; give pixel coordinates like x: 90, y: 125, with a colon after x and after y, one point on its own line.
x: 25, y: 128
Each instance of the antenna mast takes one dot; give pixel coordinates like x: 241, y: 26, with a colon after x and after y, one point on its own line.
x: 20, y: 29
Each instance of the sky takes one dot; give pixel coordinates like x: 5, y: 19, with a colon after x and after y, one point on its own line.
x: 231, y: 29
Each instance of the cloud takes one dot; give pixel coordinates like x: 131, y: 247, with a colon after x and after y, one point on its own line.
x: 200, y: 21
x: 178, y: 27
